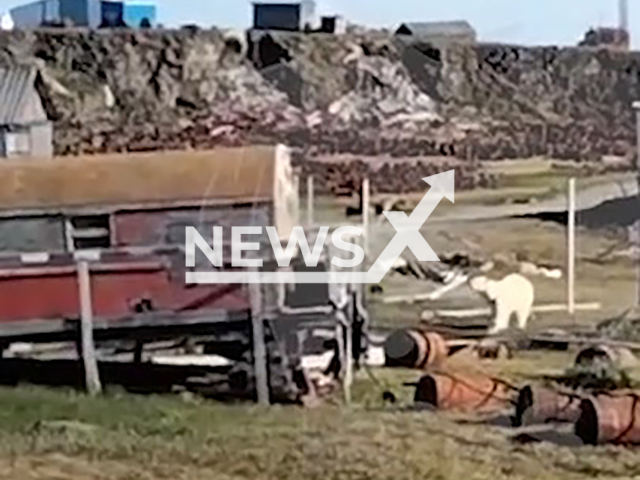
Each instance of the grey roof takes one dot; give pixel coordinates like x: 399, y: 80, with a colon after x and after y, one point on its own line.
x: 15, y: 84
x: 456, y: 27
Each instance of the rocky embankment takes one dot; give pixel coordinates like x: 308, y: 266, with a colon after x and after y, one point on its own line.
x: 355, y: 96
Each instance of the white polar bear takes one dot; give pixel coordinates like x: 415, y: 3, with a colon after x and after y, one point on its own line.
x: 512, y: 294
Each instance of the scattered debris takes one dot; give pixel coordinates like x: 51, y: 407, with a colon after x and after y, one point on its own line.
x: 529, y: 268
x: 600, y: 375
x: 493, y: 349
x: 624, y: 327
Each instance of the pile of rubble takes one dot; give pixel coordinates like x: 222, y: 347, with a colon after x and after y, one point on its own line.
x: 345, y: 176
x: 365, y: 94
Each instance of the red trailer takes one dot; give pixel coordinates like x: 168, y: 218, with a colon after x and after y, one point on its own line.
x: 128, y: 213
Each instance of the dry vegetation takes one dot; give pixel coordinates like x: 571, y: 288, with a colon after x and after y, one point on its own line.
x: 59, y: 434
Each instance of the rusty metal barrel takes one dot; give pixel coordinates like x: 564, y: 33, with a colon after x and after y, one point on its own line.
x: 463, y: 393
x: 605, y: 355
x: 537, y: 405
x: 610, y: 419
x: 414, y: 349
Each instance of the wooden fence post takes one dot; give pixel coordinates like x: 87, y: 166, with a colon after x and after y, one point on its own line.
x: 310, y: 200
x: 571, y: 248
x: 259, y: 347
x: 92, y: 377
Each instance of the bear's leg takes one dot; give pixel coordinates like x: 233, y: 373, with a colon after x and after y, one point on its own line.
x: 523, y: 312
x: 501, y: 321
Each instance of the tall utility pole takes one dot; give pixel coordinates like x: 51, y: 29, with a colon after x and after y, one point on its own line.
x: 636, y: 107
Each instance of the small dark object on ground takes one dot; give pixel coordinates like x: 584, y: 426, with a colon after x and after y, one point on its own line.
x: 388, y: 396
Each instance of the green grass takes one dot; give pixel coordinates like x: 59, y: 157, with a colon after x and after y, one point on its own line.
x: 61, y: 434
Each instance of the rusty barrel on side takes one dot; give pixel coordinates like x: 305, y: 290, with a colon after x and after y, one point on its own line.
x: 605, y: 355
x: 610, y: 419
x: 414, y: 349
x: 463, y: 393
x: 536, y: 404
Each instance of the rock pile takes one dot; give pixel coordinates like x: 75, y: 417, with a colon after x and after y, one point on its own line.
x: 364, y: 94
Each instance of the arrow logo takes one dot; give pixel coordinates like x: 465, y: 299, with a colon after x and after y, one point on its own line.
x: 407, y: 236
x: 408, y: 227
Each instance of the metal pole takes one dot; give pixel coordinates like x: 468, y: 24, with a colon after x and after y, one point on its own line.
x: 92, y: 377
x: 259, y: 348
x: 636, y: 107
x: 310, y: 200
x: 571, y: 248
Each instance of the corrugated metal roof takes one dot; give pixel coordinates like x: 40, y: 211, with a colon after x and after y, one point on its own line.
x: 456, y: 27
x: 15, y: 84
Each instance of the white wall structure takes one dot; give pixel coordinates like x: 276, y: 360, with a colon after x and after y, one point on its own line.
x: 6, y: 22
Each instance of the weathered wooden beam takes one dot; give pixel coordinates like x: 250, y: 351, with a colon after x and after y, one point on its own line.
x: 259, y: 347
x: 310, y: 200
x: 92, y: 377
x: 548, y: 308
x: 571, y: 248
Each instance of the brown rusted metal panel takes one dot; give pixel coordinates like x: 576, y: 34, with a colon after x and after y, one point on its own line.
x: 414, y: 349
x: 50, y: 292
x: 463, y: 393
x: 537, y: 405
x: 613, y: 418
x: 222, y: 175
x: 167, y: 226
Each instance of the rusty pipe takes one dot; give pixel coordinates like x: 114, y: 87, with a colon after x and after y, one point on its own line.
x: 464, y: 393
x: 611, y: 418
x: 537, y: 405
x: 414, y: 349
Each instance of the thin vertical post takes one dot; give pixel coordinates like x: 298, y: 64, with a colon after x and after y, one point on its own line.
x: 636, y: 227
x: 366, y: 201
x: 92, y: 377
x: 348, y: 363
x: 310, y: 200
x: 259, y: 348
x: 571, y: 247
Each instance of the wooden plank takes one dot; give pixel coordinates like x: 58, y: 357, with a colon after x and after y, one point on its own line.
x: 310, y: 200
x: 586, y: 341
x: 92, y: 377
x: 366, y: 207
x: 426, y: 297
x: 547, y: 308
x: 636, y: 226
x: 348, y: 363
x: 259, y: 347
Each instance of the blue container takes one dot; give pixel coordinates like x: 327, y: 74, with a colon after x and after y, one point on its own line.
x: 112, y: 14
x: 137, y: 15
x: 83, y: 13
